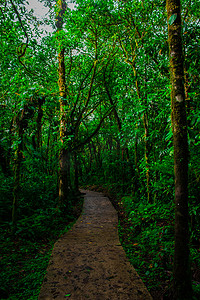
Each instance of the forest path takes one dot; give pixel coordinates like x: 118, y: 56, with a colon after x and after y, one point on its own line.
x: 88, y: 262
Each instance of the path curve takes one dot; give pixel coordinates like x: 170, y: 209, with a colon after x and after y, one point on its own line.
x: 88, y: 262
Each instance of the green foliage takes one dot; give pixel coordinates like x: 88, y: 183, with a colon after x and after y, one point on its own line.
x: 6, y: 198
x: 147, y: 235
x: 25, y: 257
x: 148, y: 239
x: 118, y: 122
x: 172, y: 19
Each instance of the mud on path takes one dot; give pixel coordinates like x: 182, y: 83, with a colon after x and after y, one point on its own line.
x: 88, y: 262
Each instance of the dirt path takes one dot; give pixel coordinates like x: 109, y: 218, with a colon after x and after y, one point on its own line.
x: 88, y: 262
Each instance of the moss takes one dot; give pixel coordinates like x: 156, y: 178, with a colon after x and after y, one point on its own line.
x: 182, y: 280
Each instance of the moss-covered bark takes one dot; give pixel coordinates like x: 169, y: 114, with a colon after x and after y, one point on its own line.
x: 64, y: 158
x: 182, y: 280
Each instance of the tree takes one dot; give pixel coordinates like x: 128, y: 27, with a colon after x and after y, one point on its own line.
x: 182, y: 288
x: 96, y: 91
x: 64, y: 159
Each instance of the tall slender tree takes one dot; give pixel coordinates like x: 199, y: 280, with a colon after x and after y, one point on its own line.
x: 64, y: 153
x: 182, y: 288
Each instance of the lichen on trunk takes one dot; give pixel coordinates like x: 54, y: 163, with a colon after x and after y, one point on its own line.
x: 181, y: 275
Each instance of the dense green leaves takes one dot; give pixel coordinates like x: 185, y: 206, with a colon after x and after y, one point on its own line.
x: 117, y: 109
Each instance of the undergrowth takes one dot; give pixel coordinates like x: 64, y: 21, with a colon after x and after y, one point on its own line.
x: 24, y: 257
x: 146, y: 233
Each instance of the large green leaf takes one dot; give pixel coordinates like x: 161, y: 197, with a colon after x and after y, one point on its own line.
x: 172, y: 19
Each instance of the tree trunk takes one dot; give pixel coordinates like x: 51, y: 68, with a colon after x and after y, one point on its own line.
x: 182, y: 288
x: 64, y: 153
x: 63, y: 176
x: 136, y: 153
x: 22, y: 120
x: 17, y: 171
x: 146, y: 154
x: 39, y: 122
x: 76, y: 172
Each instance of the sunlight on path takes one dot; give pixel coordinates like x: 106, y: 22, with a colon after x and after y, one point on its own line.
x: 89, y: 262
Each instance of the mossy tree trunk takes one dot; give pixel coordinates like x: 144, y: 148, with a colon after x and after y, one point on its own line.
x: 181, y: 281
x: 64, y: 156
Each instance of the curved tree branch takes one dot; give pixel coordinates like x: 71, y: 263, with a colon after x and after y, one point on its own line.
x: 23, y: 51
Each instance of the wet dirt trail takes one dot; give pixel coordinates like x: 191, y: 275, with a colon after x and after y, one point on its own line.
x: 88, y: 262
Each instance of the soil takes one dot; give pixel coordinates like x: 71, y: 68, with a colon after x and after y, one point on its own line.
x: 88, y: 262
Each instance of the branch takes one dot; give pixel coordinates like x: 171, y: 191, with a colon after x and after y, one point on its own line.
x: 79, y: 91
x: 89, y: 93
x: 112, y: 103
x: 26, y: 35
x: 88, y: 139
